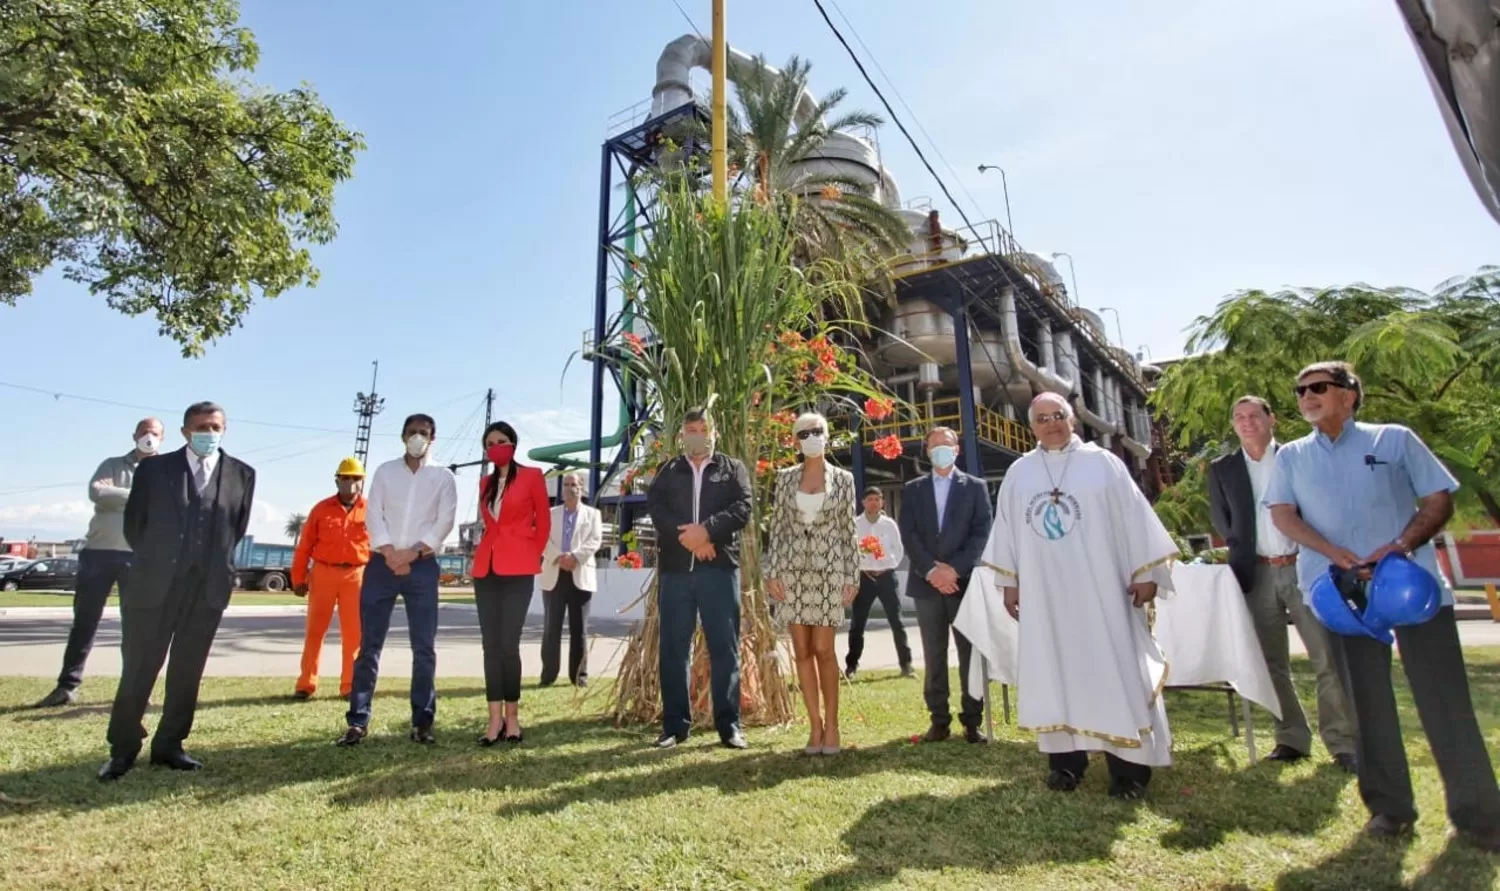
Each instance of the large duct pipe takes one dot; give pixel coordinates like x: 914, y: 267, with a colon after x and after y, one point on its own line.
x: 1044, y: 346
x: 1129, y: 439
x: 1099, y: 421
x: 1011, y: 328
x: 674, y: 67
x: 1067, y: 357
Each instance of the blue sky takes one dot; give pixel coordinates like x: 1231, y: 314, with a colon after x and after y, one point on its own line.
x: 1177, y: 155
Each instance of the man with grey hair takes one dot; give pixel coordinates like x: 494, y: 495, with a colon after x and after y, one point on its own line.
x: 569, y: 581
x: 104, y: 561
x: 1264, y: 563
x: 186, y: 512
x: 1350, y: 493
x: 1075, y: 554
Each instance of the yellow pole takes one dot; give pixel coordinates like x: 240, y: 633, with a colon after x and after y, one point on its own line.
x: 718, y: 154
x: 1489, y: 592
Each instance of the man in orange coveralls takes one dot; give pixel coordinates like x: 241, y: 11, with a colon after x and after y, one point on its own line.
x: 337, y: 544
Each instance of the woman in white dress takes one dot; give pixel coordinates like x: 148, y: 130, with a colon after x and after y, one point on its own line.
x: 812, y: 571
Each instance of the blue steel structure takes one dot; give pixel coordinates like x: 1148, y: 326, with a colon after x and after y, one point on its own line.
x: 622, y: 158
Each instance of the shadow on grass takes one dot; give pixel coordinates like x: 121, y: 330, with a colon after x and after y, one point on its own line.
x: 1375, y: 865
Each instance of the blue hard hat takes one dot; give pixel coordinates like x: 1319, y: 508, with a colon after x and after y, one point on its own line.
x: 1334, y: 599
x: 1401, y: 593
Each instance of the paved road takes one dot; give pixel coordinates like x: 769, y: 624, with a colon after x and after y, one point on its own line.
x: 267, y: 641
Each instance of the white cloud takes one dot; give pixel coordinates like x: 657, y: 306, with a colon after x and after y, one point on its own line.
x: 52, y: 521
x: 549, y: 426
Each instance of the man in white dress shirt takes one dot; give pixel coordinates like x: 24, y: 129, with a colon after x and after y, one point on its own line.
x: 1265, y: 564
x: 410, y: 509
x: 877, y: 581
x: 1077, y: 552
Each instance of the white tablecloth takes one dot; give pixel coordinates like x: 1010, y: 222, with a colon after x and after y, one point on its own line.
x: 1203, y: 629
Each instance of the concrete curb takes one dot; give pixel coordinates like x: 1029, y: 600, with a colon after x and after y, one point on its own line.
x: 113, y: 612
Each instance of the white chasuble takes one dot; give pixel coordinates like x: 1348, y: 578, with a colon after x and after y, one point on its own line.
x: 1072, y: 532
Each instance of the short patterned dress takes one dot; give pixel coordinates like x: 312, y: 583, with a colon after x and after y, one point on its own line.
x: 813, y: 547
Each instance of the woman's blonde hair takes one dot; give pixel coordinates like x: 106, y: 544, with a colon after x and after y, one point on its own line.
x: 808, y: 421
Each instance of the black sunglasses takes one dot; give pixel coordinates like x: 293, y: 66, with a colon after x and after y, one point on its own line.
x: 812, y: 431
x: 1318, y: 387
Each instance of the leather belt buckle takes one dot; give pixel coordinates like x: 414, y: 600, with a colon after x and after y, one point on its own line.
x: 1282, y: 560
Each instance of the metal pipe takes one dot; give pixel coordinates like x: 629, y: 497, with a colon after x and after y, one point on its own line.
x: 718, y: 150
x: 601, y: 322
x: 674, y: 87
x: 1010, y: 326
x: 1097, y: 421
x: 904, y: 377
x: 1044, y: 344
x: 966, y: 413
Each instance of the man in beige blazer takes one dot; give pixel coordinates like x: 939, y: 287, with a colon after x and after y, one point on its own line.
x: 569, y: 580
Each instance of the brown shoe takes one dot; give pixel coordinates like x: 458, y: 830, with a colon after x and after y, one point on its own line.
x: 353, y: 736
x: 1382, y: 826
x: 937, y: 733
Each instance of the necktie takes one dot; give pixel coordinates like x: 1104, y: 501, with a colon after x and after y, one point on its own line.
x: 202, y: 477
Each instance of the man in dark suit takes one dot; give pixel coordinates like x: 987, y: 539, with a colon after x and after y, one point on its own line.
x: 1265, y: 564
x: 945, y: 522
x: 186, y: 512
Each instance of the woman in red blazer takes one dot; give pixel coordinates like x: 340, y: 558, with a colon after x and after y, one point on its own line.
x: 517, y: 520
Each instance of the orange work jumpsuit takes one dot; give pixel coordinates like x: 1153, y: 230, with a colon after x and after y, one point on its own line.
x: 337, y: 544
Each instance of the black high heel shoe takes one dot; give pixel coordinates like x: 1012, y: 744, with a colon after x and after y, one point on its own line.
x: 486, y: 741
x: 513, y: 739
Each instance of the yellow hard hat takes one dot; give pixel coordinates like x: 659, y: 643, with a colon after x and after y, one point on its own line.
x: 350, y: 467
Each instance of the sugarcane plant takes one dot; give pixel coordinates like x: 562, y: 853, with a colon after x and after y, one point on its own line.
x: 727, y: 318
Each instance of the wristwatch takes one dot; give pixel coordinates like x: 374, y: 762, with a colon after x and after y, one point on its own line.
x: 1406, y: 549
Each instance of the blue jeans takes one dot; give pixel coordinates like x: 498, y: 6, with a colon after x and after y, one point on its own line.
x: 98, y: 573
x: 377, y: 599
x: 683, y: 597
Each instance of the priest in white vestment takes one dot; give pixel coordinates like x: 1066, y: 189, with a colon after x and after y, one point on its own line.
x: 1075, y: 554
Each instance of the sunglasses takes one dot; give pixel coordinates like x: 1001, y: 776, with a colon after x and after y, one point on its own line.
x: 1054, y: 416
x: 809, y: 433
x: 1318, y: 388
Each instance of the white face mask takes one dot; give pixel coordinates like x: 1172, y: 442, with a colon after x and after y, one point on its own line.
x: 148, y: 443
x: 813, y: 446
x: 416, y: 445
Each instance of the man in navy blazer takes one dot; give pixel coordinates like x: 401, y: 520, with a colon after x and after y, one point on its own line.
x: 945, y: 522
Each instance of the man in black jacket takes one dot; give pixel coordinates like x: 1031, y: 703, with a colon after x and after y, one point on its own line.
x: 1265, y: 564
x: 699, y: 502
x: 186, y: 512
x: 945, y: 524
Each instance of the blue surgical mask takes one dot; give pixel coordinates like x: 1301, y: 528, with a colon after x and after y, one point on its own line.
x: 942, y: 456
x: 204, y: 445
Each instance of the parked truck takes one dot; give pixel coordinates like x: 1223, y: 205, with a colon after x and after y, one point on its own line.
x: 262, y: 567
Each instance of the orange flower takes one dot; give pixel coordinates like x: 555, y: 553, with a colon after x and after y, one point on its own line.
x: 871, y: 545
x: 790, y: 338
x: 636, y: 344
x: 762, y: 466
x: 830, y: 192
x: 888, y: 447
x: 629, y: 560
x: 878, y: 409
x: 824, y: 376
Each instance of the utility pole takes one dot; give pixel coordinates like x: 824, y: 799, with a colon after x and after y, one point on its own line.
x: 367, y: 406
x: 484, y: 461
x: 718, y: 151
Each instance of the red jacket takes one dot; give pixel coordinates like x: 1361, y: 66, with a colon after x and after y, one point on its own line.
x: 513, y: 542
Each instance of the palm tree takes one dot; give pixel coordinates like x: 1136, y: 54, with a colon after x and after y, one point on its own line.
x: 834, y: 215
x: 294, y: 524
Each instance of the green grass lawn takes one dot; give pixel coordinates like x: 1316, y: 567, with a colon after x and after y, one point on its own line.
x: 584, y: 805
x: 11, y: 599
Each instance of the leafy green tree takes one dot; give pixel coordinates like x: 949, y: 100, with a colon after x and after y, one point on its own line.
x: 834, y: 216
x: 134, y: 152
x: 1428, y: 361
x: 294, y: 524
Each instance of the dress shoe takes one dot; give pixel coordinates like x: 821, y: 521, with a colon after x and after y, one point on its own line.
x: 423, y: 735
x: 937, y: 733
x: 581, y: 682
x: 1382, y: 826
x: 1346, y: 762
x: 302, y: 695
x: 670, y: 740
x: 1126, y: 790
x: 353, y: 736
x: 115, y: 768
x: 908, y: 672
x: 178, y: 760
x: 734, y: 740
x: 1484, y: 840
x: 57, y: 698
x: 486, y: 741
x: 974, y: 736
x: 1063, y: 780
x: 1286, y: 754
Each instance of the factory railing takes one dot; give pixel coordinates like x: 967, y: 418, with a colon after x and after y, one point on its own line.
x: 990, y: 425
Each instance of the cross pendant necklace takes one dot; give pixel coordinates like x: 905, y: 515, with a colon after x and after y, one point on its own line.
x: 1056, y: 493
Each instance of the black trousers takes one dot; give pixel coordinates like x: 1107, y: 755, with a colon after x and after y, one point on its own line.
x: 565, y: 598
x: 503, y: 601
x: 98, y: 573
x: 883, y: 588
x: 935, y: 617
x: 1434, y: 662
x: 1119, y: 769
x: 180, y: 633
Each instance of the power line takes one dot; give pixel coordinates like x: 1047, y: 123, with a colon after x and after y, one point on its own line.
x: 56, y: 394
x: 895, y: 119
x: 904, y: 104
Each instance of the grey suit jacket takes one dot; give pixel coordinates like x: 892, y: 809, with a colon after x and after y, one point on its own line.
x: 965, y: 530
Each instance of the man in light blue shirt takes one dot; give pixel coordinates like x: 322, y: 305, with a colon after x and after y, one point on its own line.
x: 1349, y: 493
